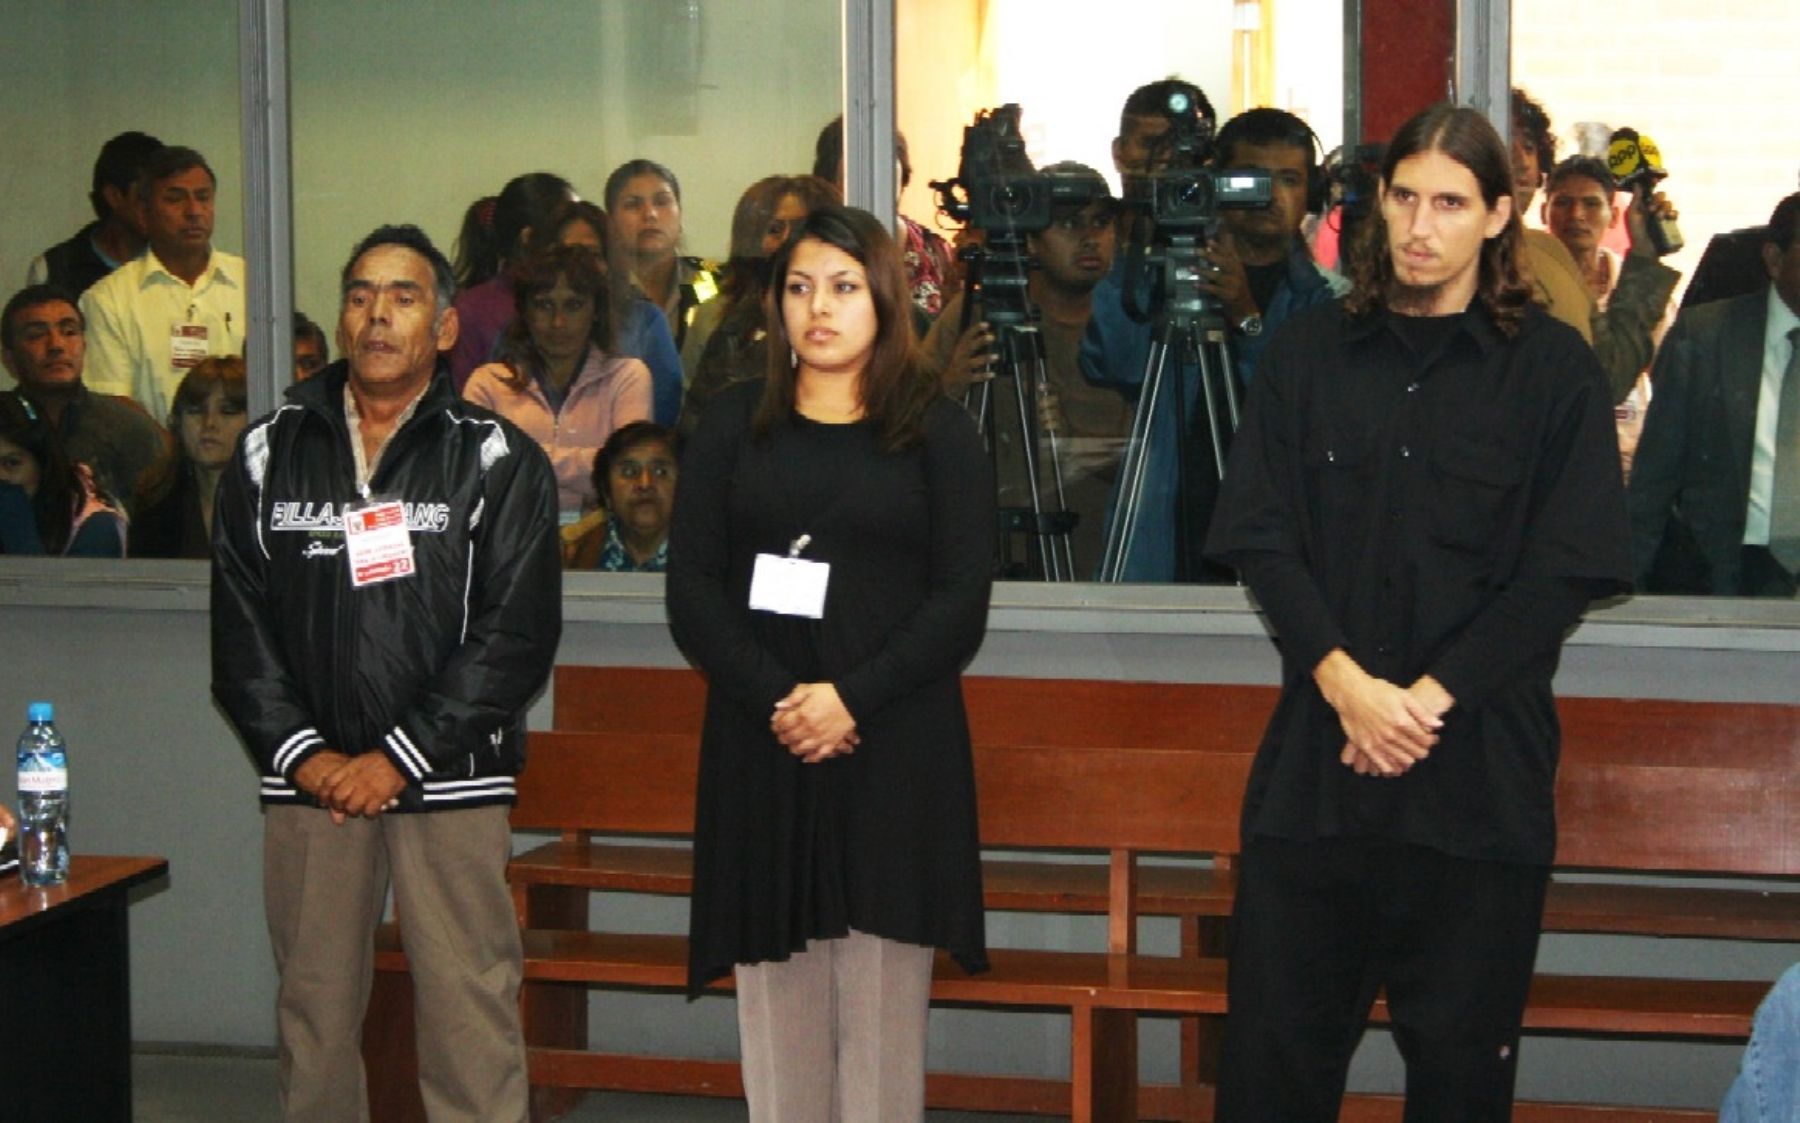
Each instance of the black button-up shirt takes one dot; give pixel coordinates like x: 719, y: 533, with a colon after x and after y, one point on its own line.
x: 1434, y: 498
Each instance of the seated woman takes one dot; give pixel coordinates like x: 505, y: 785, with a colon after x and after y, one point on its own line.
x: 639, y: 330
x: 635, y: 476
x: 728, y: 340
x: 68, y: 515
x: 174, y: 503
x: 643, y: 202
x: 493, y: 238
x: 558, y: 378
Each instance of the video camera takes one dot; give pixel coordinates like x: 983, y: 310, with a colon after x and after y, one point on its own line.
x: 996, y: 189
x: 1186, y: 195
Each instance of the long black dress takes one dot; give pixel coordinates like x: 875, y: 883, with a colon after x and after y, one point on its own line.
x: 883, y: 839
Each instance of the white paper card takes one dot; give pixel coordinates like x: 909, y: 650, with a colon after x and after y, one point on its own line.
x: 380, y: 546
x: 789, y: 586
x: 187, y: 346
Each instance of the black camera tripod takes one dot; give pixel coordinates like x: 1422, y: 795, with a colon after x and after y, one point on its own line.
x: 1189, y: 326
x: 1042, y: 528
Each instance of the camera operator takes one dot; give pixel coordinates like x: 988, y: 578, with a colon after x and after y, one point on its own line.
x: 1260, y: 272
x: 1145, y: 127
x: 1071, y: 257
x: 1631, y: 292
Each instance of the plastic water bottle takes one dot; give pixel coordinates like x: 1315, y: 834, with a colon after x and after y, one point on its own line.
x: 43, y: 800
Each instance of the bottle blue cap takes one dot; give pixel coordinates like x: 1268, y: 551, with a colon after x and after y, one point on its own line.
x: 40, y: 711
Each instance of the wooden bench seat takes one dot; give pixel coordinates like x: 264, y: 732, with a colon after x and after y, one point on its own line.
x: 1086, y: 790
x: 1684, y: 1008
x: 1571, y: 905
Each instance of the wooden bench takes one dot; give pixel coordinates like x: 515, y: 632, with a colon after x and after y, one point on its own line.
x: 1119, y: 770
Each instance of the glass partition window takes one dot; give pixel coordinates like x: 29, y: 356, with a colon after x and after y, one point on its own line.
x: 395, y: 117
x: 146, y: 274
x: 1102, y: 442
x: 1701, y: 88
x: 400, y: 117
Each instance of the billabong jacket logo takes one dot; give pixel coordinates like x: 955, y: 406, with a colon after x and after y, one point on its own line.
x: 316, y: 518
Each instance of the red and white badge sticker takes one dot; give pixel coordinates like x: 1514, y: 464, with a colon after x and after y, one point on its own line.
x: 380, y: 546
x: 187, y: 345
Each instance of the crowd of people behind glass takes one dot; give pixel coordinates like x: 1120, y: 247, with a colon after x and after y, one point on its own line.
x: 589, y: 325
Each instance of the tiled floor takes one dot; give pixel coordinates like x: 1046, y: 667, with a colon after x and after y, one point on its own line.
x: 214, y: 1088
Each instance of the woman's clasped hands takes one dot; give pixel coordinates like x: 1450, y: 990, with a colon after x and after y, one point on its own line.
x: 813, y: 724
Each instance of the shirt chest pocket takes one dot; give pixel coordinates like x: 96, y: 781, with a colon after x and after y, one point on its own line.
x: 1474, y: 489
x: 1340, y: 476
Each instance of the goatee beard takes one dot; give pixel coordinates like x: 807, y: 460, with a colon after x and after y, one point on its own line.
x: 1413, y: 300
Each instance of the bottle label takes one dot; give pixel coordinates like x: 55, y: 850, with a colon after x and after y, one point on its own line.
x: 40, y: 781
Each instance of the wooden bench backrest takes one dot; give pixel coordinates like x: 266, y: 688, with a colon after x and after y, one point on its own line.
x: 620, y: 783
x: 1700, y: 787
x: 1077, y: 713
x: 1028, y: 796
x: 1680, y: 786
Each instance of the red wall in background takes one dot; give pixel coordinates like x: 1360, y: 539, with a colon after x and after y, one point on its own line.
x: 1407, y: 48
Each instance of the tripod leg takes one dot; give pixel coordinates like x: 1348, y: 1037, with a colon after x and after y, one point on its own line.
x: 1210, y: 374
x: 1121, y: 533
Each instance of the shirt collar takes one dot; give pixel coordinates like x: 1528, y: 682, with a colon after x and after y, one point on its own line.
x: 214, y: 271
x: 1780, y: 319
x: 615, y: 558
x: 365, y: 464
x: 1473, y: 322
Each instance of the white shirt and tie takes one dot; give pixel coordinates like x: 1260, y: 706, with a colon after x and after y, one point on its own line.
x: 1773, y: 517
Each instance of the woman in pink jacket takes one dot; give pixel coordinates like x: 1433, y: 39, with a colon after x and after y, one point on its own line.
x: 557, y: 377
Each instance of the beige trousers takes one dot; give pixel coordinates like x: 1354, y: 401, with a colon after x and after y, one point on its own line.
x: 836, y: 1034
x: 324, y: 886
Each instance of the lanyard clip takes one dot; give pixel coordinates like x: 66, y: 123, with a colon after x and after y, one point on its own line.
x: 799, y: 544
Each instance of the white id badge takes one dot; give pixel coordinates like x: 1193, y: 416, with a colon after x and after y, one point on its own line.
x: 789, y: 586
x: 379, y: 545
x: 187, y: 345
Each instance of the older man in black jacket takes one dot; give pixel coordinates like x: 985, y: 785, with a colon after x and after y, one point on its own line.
x: 386, y: 602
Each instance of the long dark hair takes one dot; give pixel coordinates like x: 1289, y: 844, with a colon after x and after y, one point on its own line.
x: 619, y: 289
x: 567, y: 214
x: 226, y: 372
x: 746, y: 274
x: 59, y: 490
x: 1465, y: 136
x: 492, y: 227
x: 537, y: 275
x: 895, y: 390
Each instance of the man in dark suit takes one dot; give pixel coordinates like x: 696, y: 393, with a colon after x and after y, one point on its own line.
x: 1718, y: 468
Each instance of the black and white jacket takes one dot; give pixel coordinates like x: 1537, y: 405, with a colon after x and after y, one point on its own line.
x: 435, y: 669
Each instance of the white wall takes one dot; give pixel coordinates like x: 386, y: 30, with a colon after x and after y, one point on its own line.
x: 398, y: 118
x: 1713, y: 84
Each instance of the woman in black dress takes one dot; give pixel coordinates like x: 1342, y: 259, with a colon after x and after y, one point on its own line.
x: 829, y: 569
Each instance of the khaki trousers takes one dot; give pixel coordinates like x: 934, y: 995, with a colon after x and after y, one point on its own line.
x: 324, y: 886
x: 836, y: 1034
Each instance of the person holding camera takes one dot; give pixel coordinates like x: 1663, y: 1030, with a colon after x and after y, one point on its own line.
x: 1631, y: 293
x: 1258, y: 272
x: 1070, y: 257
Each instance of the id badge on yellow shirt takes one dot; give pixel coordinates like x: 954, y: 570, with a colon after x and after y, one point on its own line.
x: 187, y: 345
x: 378, y: 542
